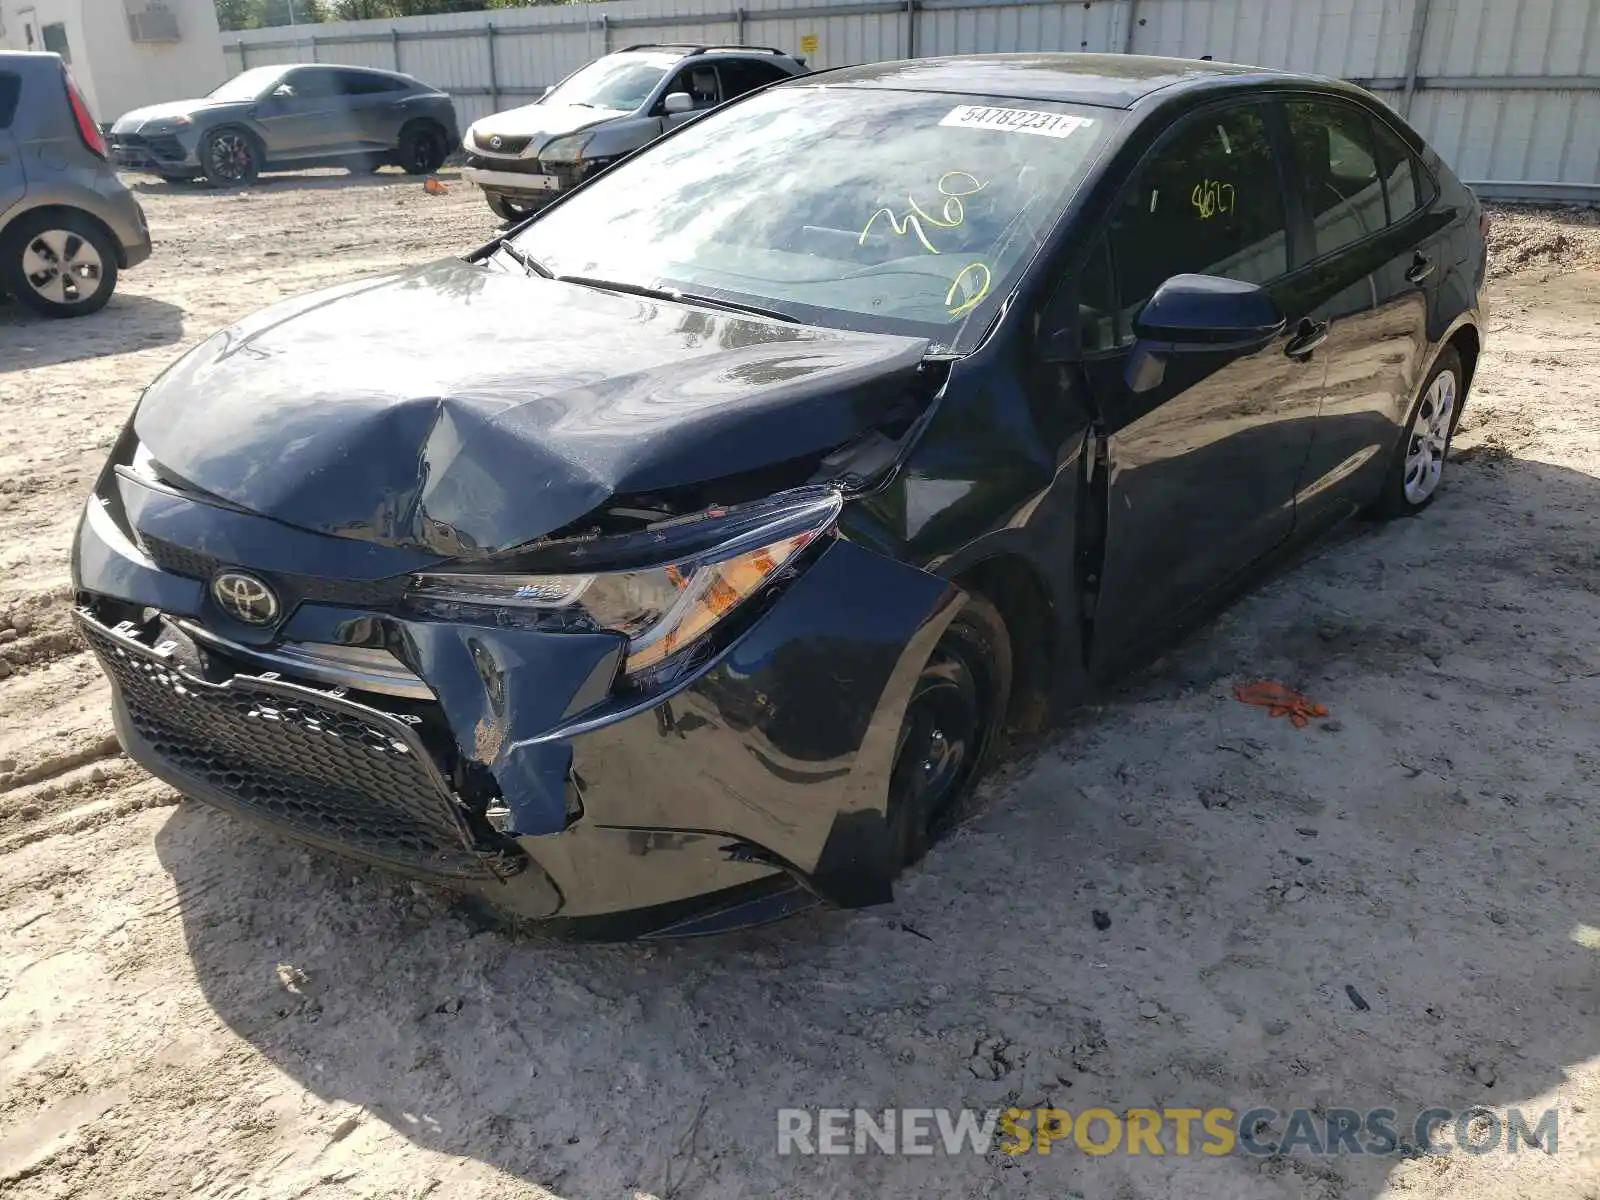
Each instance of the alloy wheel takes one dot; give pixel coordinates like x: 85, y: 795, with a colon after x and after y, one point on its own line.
x: 230, y: 157
x: 63, y: 267
x: 1430, y: 438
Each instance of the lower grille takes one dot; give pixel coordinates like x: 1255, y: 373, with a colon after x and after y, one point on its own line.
x: 335, y: 772
x: 134, y: 145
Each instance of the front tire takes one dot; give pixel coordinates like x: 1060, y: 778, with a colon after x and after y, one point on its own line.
x: 422, y: 149
x: 59, y: 264
x: 1417, y: 465
x: 230, y: 158
x: 509, y: 210
x: 952, y: 728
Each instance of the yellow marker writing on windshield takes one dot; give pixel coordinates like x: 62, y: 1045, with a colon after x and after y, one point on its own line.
x: 974, y: 279
x: 953, y: 185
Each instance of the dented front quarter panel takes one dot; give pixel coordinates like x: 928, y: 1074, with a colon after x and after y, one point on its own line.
x: 775, y: 754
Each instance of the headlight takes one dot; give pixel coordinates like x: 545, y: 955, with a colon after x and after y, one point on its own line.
x: 168, y: 124
x: 659, y: 609
x: 567, y: 149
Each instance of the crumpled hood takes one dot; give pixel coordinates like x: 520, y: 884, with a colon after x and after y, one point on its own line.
x: 132, y: 122
x: 464, y: 409
x: 543, y: 121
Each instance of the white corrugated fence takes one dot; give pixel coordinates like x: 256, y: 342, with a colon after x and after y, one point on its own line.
x: 1508, y: 91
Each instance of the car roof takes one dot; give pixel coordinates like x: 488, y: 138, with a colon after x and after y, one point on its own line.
x: 15, y: 60
x: 1107, y: 80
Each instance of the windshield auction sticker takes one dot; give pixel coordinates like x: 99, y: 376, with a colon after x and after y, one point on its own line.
x: 1015, y: 120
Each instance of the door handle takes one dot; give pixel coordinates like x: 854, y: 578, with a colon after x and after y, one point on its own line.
x: 1421, y: 268
x: 1307, y: 338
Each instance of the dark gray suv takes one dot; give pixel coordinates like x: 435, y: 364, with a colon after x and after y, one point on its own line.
x: 67, y: 223
x: 287, y: 117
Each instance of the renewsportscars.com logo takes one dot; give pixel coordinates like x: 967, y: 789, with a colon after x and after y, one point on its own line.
x: 1213, y: 1132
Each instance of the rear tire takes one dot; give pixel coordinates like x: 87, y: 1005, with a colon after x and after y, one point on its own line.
x: 1416, y: 466
x: 952, y: 728
x: 231, y: 158
x: 422, y: 149
x: 58, y: 263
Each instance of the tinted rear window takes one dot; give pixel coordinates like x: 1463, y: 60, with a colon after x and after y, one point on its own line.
x: 10, y: 89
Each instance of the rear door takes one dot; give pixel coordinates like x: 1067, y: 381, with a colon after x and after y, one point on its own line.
x: 375, y: 113
x: 1201, y: 469
x: 13, y: 183
x: 1374, y: 249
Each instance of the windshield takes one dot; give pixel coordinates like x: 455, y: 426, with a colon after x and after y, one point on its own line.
x: 907, y: 212
x: 619, y: 81
x: 248, y: 84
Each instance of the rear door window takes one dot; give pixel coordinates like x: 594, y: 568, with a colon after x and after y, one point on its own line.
x: 741, y: 75
x: 1405, y: 182
x: 365, y: 83
x: 1208, y: 201
x: 10, y: 89
x: 1336, y: 164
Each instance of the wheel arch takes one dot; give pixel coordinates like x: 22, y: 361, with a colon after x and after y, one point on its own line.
x: 1468, y: 343
x: 1017, y: 588
x: 422, y: 121
x: 69, y: 210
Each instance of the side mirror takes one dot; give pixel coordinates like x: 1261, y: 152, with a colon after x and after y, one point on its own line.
x: 282, y: 92
x: 1199, y: 314
x: 550, y: 88
x: 678, y: 102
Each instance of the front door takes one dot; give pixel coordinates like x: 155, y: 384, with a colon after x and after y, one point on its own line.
x: 704, y: 89
x: 1202, y: 467
x: 307, y: 116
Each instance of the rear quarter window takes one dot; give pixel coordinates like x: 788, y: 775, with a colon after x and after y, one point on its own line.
x: 10, y: 90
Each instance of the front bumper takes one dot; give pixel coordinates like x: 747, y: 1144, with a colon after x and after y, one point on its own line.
x: 526, y: 179
x: 526, y: 777
x: 164, y: 154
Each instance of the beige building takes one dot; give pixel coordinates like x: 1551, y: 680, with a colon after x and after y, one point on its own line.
x: 124, y: 53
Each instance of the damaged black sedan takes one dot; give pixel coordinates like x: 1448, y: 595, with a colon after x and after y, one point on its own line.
x: 683, y: 557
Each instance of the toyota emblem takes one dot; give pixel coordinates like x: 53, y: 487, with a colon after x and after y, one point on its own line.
x: 496, y: 142
x: 245, y: 598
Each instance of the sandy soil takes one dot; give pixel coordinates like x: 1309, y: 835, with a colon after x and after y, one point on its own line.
x: 190, y: 1007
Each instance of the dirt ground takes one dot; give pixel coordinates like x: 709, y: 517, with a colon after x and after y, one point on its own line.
x: 191, y: 1007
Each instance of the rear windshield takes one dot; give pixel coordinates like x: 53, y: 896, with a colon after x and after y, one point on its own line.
x: 896, y: 211
x: 10, y: 89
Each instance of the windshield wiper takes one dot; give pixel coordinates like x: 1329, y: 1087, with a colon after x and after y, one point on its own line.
x: 634, y: 289
x: 528, y: 262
